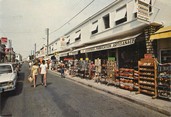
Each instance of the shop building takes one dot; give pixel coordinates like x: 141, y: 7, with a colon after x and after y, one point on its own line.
x: 163, y: 39
x: 121, y: 30
x: 2, y: 53
x: 123, y: 40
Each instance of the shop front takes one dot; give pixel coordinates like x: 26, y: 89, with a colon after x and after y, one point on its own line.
x: 126, y: 51
x: 163, y: 39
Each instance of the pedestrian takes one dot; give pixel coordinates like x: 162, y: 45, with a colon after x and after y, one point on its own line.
x: 43, y: 72
x: 62, y: 69
x: 35, y: 72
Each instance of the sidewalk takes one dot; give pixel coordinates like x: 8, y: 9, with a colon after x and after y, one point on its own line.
x: 159, y: 105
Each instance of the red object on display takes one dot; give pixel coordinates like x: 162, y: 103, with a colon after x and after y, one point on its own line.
x: 66, y: 59
x: 147, y: 56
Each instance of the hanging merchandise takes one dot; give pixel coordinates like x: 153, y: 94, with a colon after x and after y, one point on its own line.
x: 97, y: 69
x: 81, y: 68
x: 164, y: 81
x: 111, y: 71
x: 86, y: 68
x: 75, y: 68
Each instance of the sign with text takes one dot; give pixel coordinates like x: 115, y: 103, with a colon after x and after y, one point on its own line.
x: 143, y: 11
x: 116, y: 44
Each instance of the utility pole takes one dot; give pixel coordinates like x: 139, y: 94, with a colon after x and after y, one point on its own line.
x: 35, y: 50
x: 47, y: 40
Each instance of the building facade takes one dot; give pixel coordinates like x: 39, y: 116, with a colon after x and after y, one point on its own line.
x: 121, y: 30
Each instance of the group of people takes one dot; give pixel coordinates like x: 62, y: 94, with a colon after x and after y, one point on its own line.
x: 37, y: 69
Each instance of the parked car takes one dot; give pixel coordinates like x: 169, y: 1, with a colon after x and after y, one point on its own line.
x: 8, y: 76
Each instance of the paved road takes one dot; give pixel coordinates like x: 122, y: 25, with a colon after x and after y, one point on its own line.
x: 64, y: 98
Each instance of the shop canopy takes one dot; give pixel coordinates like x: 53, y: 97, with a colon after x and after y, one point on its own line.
x: 110, y: 44
x: 162, y: 33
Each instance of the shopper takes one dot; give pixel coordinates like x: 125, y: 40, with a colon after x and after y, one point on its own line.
x: 43, y: 72
x: 62, y: 66
x: 34, y: 71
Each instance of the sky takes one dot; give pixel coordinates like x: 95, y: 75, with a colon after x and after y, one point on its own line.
x: 24, y: 22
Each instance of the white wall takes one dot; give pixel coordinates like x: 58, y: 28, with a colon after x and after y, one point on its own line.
x: 160, y: 14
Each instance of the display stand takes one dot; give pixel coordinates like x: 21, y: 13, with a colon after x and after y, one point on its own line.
x: 136, y: 76
x: 164, y: 81
x: 75, y: 68
x: 104, y: 71
x: 147, y: 76
x: 97, y: 69
x: 126, y: 78
x: 86, y: 69
x: 111, y: 67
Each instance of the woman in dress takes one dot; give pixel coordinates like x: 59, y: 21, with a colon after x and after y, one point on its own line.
x: 34, y: 70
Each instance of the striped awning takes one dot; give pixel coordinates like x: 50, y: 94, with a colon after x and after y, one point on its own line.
x: 162, y: 33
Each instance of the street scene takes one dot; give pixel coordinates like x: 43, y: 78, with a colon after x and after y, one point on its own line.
x: 64, y: 98
x: 92, y: 58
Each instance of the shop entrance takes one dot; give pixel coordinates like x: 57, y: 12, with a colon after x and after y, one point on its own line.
x: 130, y: 55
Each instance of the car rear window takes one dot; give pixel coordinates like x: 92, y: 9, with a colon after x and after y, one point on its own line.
x: 5, y: 69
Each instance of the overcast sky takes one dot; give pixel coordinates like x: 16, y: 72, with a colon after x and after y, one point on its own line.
x: 25, y: 21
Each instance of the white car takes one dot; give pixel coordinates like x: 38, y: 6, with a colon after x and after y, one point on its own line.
x: 8, y: 76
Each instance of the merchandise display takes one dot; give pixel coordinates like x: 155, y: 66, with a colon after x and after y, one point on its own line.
x: 86, y: 69
x: 126, y: 78
x: 164, y: 81
x: 165, y: 56
x: 104, y: 69
x: 97, y: 69
x: 147, y: 76
x: 111, y: 68
x: 136, y: 75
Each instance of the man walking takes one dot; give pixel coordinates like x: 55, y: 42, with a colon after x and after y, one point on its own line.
x: 43, y: 72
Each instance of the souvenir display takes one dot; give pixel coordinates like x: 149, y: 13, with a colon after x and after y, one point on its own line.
x: 97, y: 69
x: 126, y: 78
x: 147, y: 76
x: 86, y: 69
x: 164, y: 81
x: 111, y: 68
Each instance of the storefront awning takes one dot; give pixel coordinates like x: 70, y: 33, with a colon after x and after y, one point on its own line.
x: 162, y: 33
x: 111, y: 44
x: 63, y: 54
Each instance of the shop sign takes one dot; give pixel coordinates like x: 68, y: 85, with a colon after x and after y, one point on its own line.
x: 3, y: 40
x: 143, y: 11
x: 109, y: 46
x: 124, y: 43
x: 73, y: 53
x: 103, y: 47
x: 111, y: 58
x: 63, y: 54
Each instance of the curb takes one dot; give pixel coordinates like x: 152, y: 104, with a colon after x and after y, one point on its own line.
x: 142, y: 103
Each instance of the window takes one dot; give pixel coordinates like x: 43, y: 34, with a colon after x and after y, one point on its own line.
x: 94, y: 27
x: 106, y: 21
x: 121, y: 15
x: 78, y: 35
x: 150, y: 6
x: 68, y: 42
